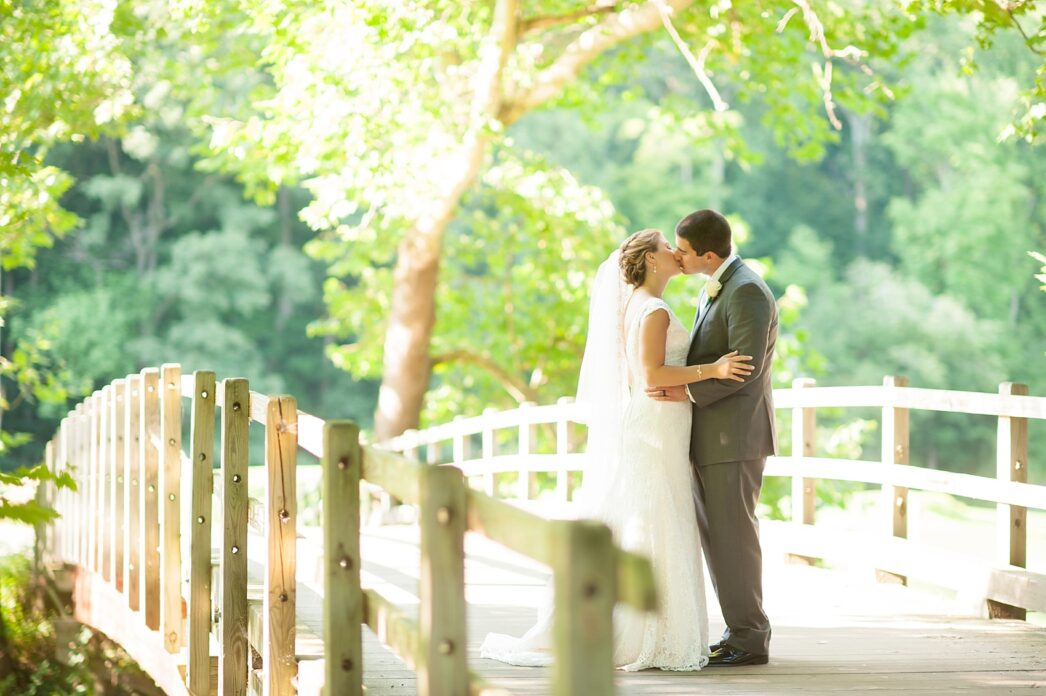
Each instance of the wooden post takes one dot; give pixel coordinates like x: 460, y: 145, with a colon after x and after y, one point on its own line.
x: 527, y: 442
x: 119, y: 522
x: 170, y: 506
x: 459, y: 445
x: 202, y: 453
x: 69, y: 466
x: 895, y: 451
x: 91, y: 460
x: 1011, y: 464
x: 489, y: 451
x: 105, y: 456
x: 804, y: 436
x: 411, y: 450
x: 278, y: 599
x: 62, y: 464
x: 232, y: 624
x: 98, y: 525
x: 149, y: 453
x: 84, y: 467
x: 80, y: 473
x: 342, y: 596
x: 563, y: 449
x: 40, y: 529
x: 132, y: 490
x: 443, y: 669
x: 80, y: 501
x: 433, y: 451
x: 583, y: 635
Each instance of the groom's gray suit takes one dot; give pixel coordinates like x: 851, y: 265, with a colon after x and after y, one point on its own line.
x: 732, y: 434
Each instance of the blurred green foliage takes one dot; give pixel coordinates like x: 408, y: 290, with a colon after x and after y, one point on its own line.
x: 897, y: 245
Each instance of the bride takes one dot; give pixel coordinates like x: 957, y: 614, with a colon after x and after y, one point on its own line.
x: 637, y: 478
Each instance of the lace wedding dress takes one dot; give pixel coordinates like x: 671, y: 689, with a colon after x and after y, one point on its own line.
x: 647, y: 501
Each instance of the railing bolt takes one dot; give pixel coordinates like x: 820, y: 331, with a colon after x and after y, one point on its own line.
x: 443, y: 515
x: 152, y: 488
x: 171, y: 442
x: 171, y: 497
x: 203, y: 457
x: 235, y: 478
x: 283, y: 596
x: 200, y: 520
x: 203, y: 394
x: 446, y: 647
x: 236, y: 406
x: 588, y: 590
x: 1017, y: 465
x: 343, y: 463
x: 345, y: 562
x: 235, y: 549
x: 172, y: 636
x: 284, y: 515
x: 1017, y: 523
x: 346, y: 664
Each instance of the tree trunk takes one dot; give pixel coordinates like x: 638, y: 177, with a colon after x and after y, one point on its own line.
x: 406, y: 366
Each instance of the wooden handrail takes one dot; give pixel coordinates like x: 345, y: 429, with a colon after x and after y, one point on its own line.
x: 124, y: 445
x: 218, y: 602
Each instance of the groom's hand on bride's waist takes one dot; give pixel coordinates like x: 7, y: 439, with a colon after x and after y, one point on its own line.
x: 667, y: 393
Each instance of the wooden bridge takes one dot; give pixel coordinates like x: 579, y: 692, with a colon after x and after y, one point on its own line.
x: 213, y: 591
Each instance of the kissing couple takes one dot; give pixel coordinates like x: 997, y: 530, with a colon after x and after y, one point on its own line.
x: 680, y: 425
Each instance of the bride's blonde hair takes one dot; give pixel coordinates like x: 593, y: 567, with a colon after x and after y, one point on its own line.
x: 633, y: 255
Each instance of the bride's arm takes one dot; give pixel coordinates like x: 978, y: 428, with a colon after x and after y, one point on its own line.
x: 653, y: 333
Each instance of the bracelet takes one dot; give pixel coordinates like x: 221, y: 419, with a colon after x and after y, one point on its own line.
x: 699, y: 377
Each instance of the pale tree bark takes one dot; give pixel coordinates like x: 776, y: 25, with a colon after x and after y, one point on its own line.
x: 407, y: 364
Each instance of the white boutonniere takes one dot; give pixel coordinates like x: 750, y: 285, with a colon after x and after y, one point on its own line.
x: 712, y: 288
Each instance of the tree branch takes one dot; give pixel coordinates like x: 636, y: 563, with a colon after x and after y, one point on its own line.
x: 1027, y: 39
x: 515, y: 386
x: 849, y: 53
x: 697, y: 64
x: 498, y: 45
x: 585, y: 48
x: 542, y: 22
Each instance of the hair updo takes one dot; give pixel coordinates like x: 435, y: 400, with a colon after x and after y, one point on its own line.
x: 633, y: 255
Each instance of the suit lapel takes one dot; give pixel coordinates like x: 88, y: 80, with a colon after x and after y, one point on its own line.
x: 700, y: 319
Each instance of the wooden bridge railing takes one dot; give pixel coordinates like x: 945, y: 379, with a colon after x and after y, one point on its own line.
x: 1006, y: 586
x: 201, y: 632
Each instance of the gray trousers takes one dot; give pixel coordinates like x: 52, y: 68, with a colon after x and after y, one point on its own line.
x: 725, y: 496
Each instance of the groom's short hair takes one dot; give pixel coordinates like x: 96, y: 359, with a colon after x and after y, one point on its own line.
x: 706, y: 230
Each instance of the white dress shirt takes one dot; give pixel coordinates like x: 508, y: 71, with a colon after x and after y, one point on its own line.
x: 704, y: 300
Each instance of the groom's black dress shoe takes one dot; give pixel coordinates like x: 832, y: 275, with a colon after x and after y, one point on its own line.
x: 728, y: 656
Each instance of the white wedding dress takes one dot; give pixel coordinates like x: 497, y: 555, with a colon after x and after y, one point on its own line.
x: 647, y: 501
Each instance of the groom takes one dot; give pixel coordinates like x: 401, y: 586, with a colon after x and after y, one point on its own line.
x: 733, y: 429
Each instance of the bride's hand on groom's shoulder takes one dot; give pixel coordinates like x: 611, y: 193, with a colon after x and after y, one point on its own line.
x: 667, y: 393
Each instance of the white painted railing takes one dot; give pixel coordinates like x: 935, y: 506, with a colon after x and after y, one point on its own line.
x: 1008, y: 588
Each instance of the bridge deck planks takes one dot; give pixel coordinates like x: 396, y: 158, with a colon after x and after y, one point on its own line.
x: 834, y: 631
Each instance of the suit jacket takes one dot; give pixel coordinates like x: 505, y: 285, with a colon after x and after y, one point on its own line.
x: 734, y: 421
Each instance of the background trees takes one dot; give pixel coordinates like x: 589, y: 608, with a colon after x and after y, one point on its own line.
x: 429, y: 187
